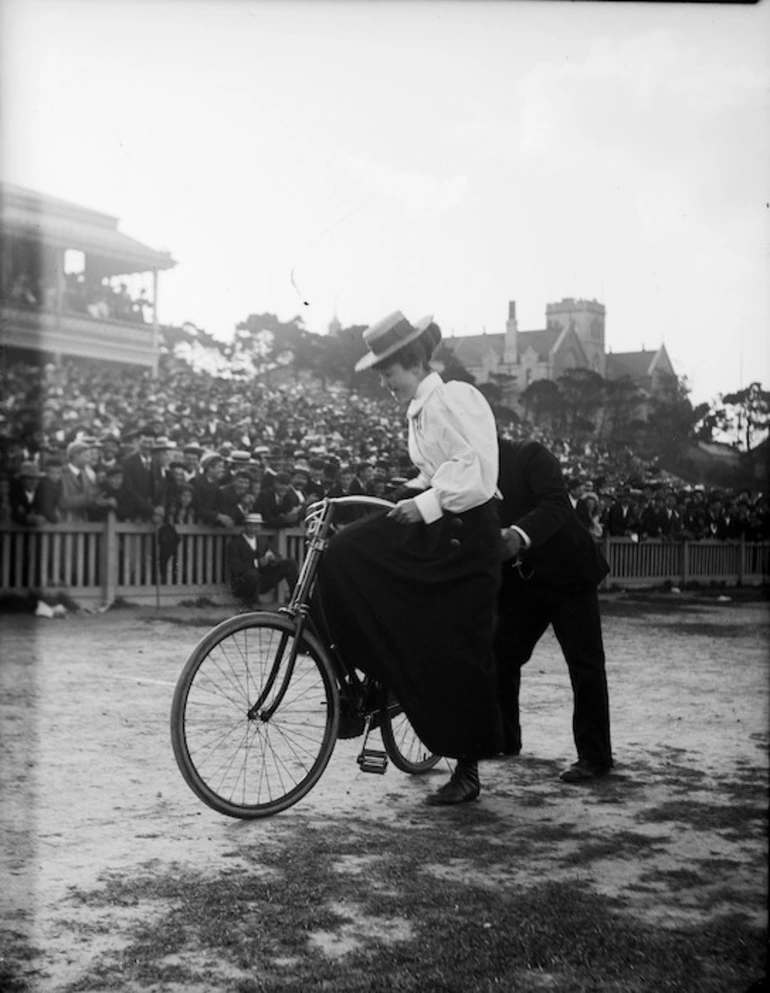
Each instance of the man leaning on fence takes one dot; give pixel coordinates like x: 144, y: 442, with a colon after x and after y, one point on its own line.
x: 254, y: 567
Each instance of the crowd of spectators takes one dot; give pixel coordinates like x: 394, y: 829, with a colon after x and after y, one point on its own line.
x: 78, y: 442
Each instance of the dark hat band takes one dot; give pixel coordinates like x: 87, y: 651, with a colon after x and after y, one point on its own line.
x: 393, y: 336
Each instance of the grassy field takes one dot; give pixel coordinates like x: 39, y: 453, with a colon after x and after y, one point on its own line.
x: 651, y: 880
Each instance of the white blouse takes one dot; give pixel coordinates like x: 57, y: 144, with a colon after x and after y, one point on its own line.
x: 453, y: 443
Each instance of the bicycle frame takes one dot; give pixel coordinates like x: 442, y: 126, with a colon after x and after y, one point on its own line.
x: 318, y: 521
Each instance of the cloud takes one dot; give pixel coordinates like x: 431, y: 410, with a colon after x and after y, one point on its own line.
x: 419, y: 192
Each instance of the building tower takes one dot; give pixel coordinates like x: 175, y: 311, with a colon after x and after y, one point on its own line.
x: 587, y: 317
x: 511, y: 343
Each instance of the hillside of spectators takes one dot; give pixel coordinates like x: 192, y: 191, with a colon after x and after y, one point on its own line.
x: 309, y: 439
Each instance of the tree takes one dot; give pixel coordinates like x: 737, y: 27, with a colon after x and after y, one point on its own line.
x: 671, y: 421
x: 621, y: 399
x: 748, y: 415
x: 583, y: 394
x: 541, y: 402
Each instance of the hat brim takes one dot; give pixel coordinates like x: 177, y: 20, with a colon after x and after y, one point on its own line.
x: 372, y: 359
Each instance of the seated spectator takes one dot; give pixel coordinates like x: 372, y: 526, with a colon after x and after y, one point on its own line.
x: 27, y: 509
x: 279, y: 505
x: 254, y: 567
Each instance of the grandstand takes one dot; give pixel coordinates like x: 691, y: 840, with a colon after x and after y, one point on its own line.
x: 72, y: 284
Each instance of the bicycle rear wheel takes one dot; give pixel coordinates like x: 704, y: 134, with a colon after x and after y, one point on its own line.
x: 405, y: 749
x: 246, y: 761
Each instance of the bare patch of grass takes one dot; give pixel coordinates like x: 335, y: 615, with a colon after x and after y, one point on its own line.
x: 708, y: 816
x: 398, y: 927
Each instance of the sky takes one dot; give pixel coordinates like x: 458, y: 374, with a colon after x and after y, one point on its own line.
x: 322, y: 158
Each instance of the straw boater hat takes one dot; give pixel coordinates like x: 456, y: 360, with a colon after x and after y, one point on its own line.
x: 253, y: 519
x: 387, y: 336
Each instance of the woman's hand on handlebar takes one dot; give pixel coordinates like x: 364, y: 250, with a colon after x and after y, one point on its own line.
x: 405, y: 512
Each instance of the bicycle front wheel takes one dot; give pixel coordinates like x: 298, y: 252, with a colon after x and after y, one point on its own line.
x: 402, y: 743
x: 251, y: 731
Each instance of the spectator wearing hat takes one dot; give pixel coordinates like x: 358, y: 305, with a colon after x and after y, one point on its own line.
x: 116, y: 498
x: 50, y: 488
x: 27, y: 509
x: 207, y: 501
x: 622, y: 521
x: 279, y: 504
x: 161, y: 480
x: 253, y: 565
x: 191, y: 455
x: 236, y: 499
x: 79, y: 495
x: 138, y: 469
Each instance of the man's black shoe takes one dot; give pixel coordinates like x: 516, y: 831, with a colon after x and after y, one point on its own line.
x: 583, y: 771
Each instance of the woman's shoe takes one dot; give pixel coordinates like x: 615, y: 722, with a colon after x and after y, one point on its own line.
x: 462, y: 787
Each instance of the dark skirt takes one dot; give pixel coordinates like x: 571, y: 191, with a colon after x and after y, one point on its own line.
x: 413, y: 605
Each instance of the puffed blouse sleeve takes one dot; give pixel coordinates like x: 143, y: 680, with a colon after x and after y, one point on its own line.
x: 453, y: 442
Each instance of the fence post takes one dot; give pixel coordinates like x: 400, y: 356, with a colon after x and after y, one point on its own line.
x: 685, y: 563
x: 605, y: 583
x: 109, y: 563
x: 742, y: 561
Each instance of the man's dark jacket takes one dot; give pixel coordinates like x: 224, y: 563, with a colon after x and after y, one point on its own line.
x: 563, y: 554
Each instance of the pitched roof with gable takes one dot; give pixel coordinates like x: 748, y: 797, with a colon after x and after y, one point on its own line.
x: 637, y: 365
x: 470, y: 349
x: 541, y: 341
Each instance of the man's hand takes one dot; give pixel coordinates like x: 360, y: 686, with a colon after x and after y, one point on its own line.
x: 405, y: 512
x: 512, y: 542
x: 225, y: 520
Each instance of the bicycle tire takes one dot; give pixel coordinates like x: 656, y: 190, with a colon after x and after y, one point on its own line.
x: 402, y: 743
x: 248, y: 766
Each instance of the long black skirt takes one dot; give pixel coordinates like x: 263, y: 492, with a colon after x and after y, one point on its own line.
x: 413, y: 605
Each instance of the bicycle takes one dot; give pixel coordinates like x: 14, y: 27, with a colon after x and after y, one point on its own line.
x: 263, y: 698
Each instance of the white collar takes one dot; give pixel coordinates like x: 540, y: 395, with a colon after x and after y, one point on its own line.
x: 73, y: 469
x: 425, y: 388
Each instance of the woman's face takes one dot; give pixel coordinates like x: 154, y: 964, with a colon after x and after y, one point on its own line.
x: 401, y: 382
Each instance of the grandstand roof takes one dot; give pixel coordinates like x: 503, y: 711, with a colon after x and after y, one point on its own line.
x: 55, y: 222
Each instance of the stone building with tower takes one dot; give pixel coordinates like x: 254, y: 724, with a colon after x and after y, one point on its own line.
x: 573, y: 338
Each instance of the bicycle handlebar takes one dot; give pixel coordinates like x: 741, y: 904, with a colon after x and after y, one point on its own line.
x: 360, y: 500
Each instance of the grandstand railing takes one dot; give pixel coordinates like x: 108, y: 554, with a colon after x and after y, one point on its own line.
x: 97, y: 564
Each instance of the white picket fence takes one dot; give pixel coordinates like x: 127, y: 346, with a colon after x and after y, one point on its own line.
x: 97, y: 564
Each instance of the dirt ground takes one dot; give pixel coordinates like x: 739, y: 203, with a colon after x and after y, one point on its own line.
x: 91, y: 790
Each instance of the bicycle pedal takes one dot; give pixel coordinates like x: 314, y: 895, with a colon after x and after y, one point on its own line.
x: 372, y: 760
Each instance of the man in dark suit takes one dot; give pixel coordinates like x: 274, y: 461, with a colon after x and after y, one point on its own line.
x: 551, y: 572
x: 254, y: 567
x: 138, y: 470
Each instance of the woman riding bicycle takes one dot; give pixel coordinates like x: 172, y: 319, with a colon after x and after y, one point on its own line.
x: 409, y: 595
